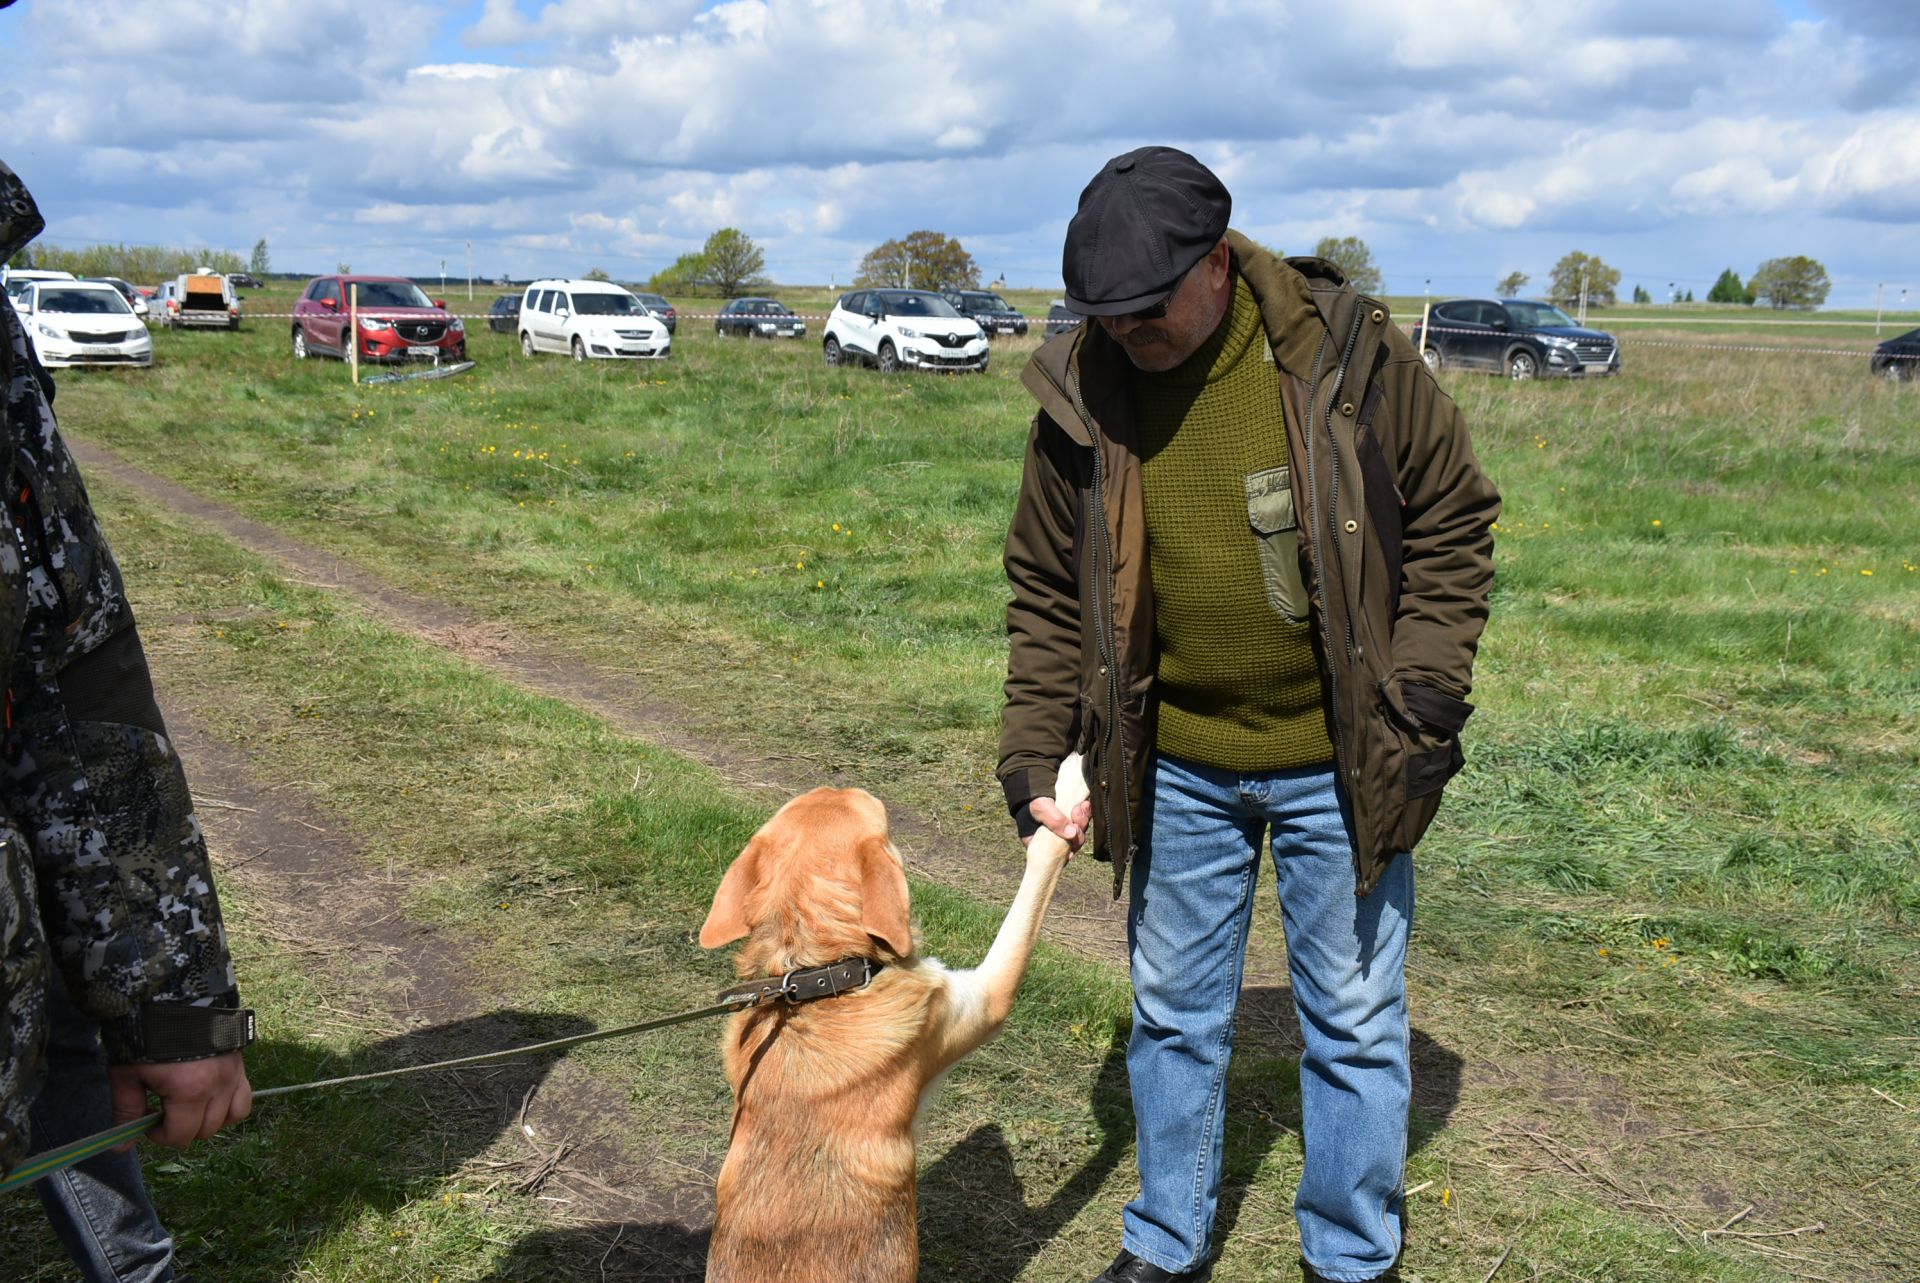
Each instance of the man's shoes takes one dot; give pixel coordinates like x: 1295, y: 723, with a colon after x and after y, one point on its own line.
x: 1128, y: 1268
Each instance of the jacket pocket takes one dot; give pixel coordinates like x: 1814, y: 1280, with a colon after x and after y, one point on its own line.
x: 1429, y: 724
x: 1276, y: 531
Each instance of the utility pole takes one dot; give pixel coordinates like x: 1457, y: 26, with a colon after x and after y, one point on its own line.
x: 469, y: 271
x: 1583, y: 296
x: 1876, y: 307
x: 443, y: 278
x: 906, y: 271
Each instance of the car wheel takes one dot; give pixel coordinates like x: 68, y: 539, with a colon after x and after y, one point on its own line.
x: 299, y: 344
x: 579, y: 350
x: 526, y: 343
x: 1521, y: 365
x: 834, y: 357
x: 1431, y: 355
x: 889, y: 359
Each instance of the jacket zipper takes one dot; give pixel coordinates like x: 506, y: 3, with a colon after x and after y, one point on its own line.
x: 1104, y: 639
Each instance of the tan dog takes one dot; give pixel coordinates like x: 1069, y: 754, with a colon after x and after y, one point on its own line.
x: 818, y: 1185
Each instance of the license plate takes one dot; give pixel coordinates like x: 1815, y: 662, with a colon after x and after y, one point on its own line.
x: 98, y: 349
x: 429, y: 350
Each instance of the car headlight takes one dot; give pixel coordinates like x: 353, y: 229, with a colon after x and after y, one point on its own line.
x: 373, y: 323
x: 457, y: 325
x: 908, y: 332
x: 766, y: 327
x: 1556, y: 340
x: 48, y: 331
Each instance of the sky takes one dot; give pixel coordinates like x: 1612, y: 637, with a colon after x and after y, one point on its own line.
x: 1461, y: 139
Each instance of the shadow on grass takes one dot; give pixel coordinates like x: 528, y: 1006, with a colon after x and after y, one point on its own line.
x: 257, y: 1201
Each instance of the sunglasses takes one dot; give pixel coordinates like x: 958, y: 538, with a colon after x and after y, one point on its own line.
x: 1154, y: 313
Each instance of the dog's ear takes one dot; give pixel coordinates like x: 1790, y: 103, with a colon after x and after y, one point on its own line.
x: 727, y: 920
x: 884, y: 907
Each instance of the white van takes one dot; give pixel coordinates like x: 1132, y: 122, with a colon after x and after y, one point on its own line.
x: 589, y: 319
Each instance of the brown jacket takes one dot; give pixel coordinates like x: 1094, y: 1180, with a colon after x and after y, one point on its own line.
x: 1396, y: 551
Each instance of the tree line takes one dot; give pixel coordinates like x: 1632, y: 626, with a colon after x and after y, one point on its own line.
x: 1795, y: 282
x: 140, y: 263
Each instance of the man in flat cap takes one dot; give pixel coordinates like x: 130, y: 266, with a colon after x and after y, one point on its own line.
x: 1250, y: 564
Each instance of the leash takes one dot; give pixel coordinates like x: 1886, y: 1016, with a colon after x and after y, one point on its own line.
x: 804, y: 985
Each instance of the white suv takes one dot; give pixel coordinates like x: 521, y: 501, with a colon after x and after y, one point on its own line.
x: 589, y: 318
x: 892, y: 328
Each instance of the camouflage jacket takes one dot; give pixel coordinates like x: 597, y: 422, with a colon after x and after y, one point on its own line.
x: 103, y: 868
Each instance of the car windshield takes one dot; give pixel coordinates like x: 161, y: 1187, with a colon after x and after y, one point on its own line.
x: 1538, y: 315
x: 986, y: 302
x: 916, y: 305
x: 100, y: 301
x: 391, y: 294
x: 607, y: 305
x: 765, y: 307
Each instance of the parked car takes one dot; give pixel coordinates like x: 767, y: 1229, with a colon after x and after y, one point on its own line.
x: 17, y: 279
x: 1060, y: 317
x: 82, y: 323
x: 993, y: 314
x: 759, y: 317
x: 396, y: 321
x: 1520, y: 338
x: 128, y: 291
x: 244, y: 280
x: 1898, y: 357
x: 662, y: 310
x: 893, y: 328
x: 504, y: 316
x: 590, y: 319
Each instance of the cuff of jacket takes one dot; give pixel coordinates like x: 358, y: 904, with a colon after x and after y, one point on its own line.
x: 1023, y: 785
x: 124, y: 1038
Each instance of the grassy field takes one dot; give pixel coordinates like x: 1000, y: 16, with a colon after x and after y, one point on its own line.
x: 1669, y: 948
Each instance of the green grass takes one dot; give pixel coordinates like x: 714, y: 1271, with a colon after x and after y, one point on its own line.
x: 1668, y: 915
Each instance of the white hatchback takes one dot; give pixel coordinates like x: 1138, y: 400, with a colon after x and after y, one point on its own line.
x: 589, y: 319
x: 891, y: 329
x: 82, y: 323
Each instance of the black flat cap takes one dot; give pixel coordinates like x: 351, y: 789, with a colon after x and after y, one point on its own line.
x: 1145, y: 219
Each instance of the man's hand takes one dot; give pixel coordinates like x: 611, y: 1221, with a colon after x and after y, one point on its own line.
x: 1071, y: 828
x: 197, y: 1097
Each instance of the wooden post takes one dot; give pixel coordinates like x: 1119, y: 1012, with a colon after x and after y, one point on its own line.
x: 353, y: 331
x: 1426, y: 326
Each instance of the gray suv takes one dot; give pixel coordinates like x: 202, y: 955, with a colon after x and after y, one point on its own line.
x: 1520, y: 338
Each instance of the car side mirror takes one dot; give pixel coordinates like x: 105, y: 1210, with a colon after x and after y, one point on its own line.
x: 331, y: 304
x: 440, y: 303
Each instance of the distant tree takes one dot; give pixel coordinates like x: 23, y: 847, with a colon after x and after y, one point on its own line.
x: 1511, y: 284
x: 1689, y: 294
x: 921, y: 260
x: 260, y: 264
x: 1354, y: 259
x: 733, y: 263
x: 1602, y: 283
x: 1729, y: 289
x: 1791, y: 282
x: 598, y: 274
x: 688, y: 274
x: 345, y: 269
x: 1640, y: 294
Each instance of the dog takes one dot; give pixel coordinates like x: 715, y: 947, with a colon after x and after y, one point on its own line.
x: 818, y: 1183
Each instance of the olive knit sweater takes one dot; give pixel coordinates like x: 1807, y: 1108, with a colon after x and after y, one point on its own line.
x: 1239, y: 685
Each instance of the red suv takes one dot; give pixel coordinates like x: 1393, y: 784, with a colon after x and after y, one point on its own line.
x: 397, y: 321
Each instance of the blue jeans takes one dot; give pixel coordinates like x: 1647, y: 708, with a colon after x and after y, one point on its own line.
x: 1192, y: 904
x: 99, y: 1209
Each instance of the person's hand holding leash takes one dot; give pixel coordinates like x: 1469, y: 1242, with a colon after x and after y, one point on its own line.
x: 197, y: 1097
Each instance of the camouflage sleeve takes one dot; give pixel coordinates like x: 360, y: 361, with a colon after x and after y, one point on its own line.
x: 23, y: 994
x: 125, y: 885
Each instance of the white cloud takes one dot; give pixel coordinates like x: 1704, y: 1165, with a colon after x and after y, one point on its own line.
x: 1444, y: 133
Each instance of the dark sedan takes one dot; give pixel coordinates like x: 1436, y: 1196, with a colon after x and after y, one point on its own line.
x: 1898, y: 358
x: 1518, y: 338
x: 663, y: 311
x: 504, y: 316
x: 993, y: 314
x: 1061, y: 318
x: 759, y: 318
